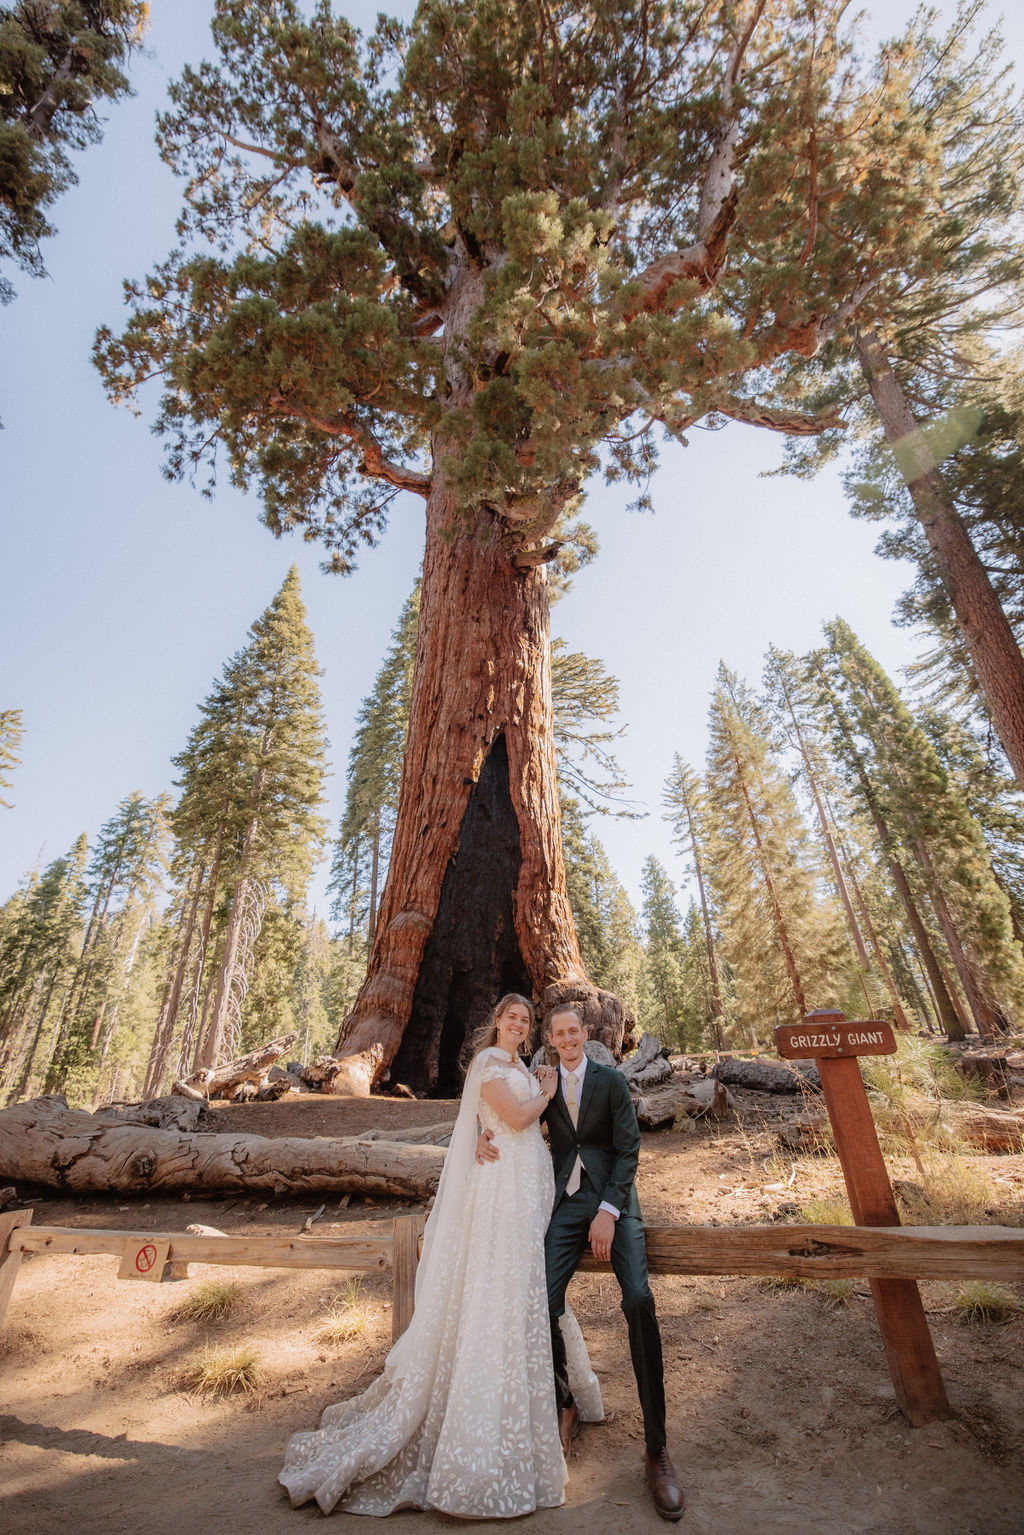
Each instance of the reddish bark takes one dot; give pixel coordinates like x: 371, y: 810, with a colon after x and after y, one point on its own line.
x: 482, y: 672
x: 995, y: 654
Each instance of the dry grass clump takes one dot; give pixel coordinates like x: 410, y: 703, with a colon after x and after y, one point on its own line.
x: 827, y: 1210
x: 220, y: 1371
x: 982, y: 1300
x: 346, y: 1316
x: 210, y: 1301
x: 957, y: 1190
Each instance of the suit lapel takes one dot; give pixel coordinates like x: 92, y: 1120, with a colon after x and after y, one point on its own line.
x: 589, y: 1083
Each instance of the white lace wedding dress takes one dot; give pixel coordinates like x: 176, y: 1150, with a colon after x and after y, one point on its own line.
x: 463, y: 1418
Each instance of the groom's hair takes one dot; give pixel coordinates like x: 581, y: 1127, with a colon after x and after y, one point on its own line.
x: 565, y: 1007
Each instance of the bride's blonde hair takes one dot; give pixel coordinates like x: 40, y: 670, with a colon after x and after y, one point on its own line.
x: 488, y: 1034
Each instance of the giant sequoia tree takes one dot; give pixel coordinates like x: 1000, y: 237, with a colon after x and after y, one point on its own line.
x: 477, y: 259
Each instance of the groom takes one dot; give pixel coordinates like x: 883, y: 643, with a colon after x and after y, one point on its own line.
x: 595, y: 1146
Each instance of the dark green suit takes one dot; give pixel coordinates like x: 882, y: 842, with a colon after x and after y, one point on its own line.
x: 607, y: 1141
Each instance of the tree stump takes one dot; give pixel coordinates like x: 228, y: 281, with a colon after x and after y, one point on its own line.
x: 648, y: 1066
x: 603, y: 1014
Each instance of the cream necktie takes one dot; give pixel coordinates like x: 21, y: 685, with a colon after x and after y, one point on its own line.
x: 572, y: 1103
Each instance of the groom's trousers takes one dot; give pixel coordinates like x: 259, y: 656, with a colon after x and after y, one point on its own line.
x: 564, y: 1245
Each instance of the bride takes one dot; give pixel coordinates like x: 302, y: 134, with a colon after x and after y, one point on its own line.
x: 463, y: 1419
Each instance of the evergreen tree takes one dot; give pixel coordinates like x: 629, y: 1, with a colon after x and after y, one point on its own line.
x: 585, y: 702
x: 363, y: 849
x: 927, y: 342
x: 125, y: 873
x: 850, y: 754
x: 686, y: 811
x: 58, y: 60
x: 703, y: 1018
x: 42, y: 951
x: 923, y: 807
x: 664, y: 951
x: 606, y: 920
x: 476, y: 259
x: 781, y: 934
x: 10, y: 741
x: 786, y: 697
x: 247, y: 832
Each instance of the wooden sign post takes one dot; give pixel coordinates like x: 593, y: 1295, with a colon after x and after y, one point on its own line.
x: 833, y: 1042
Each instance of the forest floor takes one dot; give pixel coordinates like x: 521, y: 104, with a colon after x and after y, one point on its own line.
x: 781, y: 1409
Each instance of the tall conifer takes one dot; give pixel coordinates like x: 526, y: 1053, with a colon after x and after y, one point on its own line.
x: 781, y: 933
x: 923, y: 806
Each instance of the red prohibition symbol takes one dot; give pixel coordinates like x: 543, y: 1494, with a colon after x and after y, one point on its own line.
x: 145, y: 1258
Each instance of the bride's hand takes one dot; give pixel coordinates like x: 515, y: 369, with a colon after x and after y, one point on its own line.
x: 547, y: 1076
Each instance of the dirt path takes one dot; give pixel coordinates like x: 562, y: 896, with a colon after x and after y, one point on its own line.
x: 781, y: 1411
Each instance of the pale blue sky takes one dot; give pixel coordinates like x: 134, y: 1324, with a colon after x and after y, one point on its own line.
x: 121, y: 595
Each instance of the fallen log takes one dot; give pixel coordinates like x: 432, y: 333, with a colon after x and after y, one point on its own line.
x: 43, y: 1141
x: 763, y: 1076
x: 648, y: 1067
x: 974, y: 1124
x: 996, y: 1130
x: 220, y: 1081
x: 171, y: 1113
x: 418, y: 1135
x: 667, y: 1105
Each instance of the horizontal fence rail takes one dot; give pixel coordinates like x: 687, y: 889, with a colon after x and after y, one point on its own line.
x: 797, y: 1252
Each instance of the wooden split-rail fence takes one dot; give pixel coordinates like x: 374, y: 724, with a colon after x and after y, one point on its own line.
x: 890, y: 1256
x: 797, y: 1252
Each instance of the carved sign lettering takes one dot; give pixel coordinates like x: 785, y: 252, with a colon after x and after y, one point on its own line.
x: 800, y: 1041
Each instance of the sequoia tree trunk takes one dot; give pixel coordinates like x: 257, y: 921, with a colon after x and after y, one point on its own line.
x: 475, y: 899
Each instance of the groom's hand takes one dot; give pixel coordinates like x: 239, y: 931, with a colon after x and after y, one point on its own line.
x: 602, y: 1234
x: 485, y: 1150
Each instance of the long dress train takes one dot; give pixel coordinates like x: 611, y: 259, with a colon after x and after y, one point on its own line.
x: 463, y: 1418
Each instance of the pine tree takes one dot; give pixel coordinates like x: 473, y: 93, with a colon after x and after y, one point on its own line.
x: 247, y: 831
x: 847, y: 751
x: 781, y: 934
x: 363, y: 848
x: 927, y: 342
x: 585, y: 702
x: 703, y: 1019
x: 606, y: 921
x: 42, y: 952
x: 476, y: 259
x: 786, y: 696
x: 664, y: 949
x: 686, y: 810
x: 922, y: 806
x: 125, y: 873
x: 11, y: 730
x: 58, y: 59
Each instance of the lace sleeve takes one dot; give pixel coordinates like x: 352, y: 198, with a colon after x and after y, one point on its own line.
x: 494, y: 1071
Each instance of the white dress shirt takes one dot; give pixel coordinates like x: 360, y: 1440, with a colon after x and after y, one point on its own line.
x: 579, y: 1074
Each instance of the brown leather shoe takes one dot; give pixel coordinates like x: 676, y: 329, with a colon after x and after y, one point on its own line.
x: 664, y: 1484
x: 568, y: 1427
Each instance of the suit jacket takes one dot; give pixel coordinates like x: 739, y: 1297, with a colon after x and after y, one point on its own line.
x: 606, y: 1137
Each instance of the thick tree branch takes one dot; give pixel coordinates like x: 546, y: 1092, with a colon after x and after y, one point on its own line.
x: 700, y: 263
x: 703, y: 261
x: 375, y: 463
x: 794, y: 423
x: 38, y: 120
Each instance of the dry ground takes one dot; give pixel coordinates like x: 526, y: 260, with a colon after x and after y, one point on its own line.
x: 781, y: 1411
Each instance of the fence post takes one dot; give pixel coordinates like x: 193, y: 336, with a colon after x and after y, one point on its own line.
x: 406, y: 1233
x: 834, y: 1044
x: 10, y: 1262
